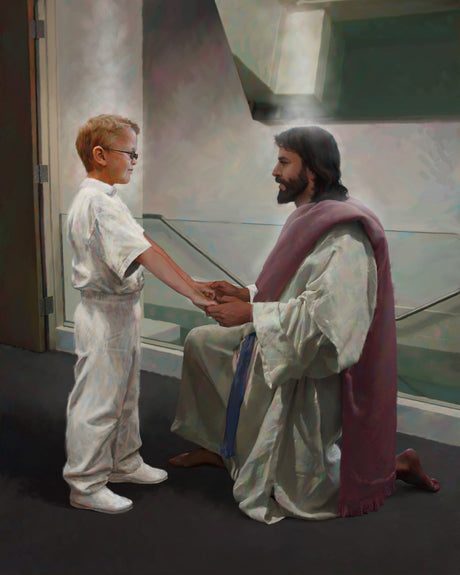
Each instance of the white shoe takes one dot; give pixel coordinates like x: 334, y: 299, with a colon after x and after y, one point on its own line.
x: 102, y: 500
x: 143, y: 474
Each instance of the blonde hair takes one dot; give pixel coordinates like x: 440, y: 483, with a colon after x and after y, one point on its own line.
x: 100, y: 131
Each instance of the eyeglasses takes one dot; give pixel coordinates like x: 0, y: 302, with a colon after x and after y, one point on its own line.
x: 133, y: 155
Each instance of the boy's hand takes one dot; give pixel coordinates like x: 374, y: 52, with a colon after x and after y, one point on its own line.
x: 205, y: 289
x: 201, y: 301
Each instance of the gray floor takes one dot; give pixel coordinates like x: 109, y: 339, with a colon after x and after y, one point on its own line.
x: 190, y: 524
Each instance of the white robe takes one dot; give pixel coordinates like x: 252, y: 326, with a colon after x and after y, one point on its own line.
x: 287, y: 462
x: 102, y: 433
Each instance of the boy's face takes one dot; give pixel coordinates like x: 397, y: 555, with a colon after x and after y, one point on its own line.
x: 118, y: 163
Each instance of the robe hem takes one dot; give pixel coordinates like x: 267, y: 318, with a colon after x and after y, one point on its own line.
x: 372, y: 503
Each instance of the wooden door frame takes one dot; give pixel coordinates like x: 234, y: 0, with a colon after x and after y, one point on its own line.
x: 22, y: 285
x: 48, y: 146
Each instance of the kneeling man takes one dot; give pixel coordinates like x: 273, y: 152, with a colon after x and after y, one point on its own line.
x: 303, y: 358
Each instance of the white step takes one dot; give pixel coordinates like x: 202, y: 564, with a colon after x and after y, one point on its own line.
x: 161, y: 330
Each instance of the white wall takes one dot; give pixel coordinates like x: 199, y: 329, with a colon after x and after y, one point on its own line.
x: 252, y: 28
x: 409, y: 173
x: 209, y: 160
x: 99, y: 68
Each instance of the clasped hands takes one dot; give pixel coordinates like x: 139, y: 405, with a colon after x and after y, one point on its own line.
x: 232, y: 305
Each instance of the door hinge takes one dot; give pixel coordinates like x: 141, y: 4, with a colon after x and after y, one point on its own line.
x: 40, y: 174
x: 37, y: 28
x: 47, y: 305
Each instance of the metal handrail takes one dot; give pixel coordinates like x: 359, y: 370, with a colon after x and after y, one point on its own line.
x: 428, y: 305
x: 195, y: 246
x: 422, y: 232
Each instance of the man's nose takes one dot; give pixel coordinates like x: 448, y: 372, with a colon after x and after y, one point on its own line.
x: 275, y: 171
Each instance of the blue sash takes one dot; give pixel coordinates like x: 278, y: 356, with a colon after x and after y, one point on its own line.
x: 236, y: 396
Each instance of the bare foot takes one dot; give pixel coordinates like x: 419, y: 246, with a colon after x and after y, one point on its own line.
x: 409, y: 469
x: 200, y: 456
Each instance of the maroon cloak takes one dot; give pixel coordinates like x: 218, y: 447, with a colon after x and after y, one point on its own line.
x: 367, y: 468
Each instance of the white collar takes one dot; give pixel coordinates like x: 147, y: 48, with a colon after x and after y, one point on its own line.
x: 93, y: 183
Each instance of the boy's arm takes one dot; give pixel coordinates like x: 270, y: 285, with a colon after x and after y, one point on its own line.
x: 166, y: 270
x: 199, y: 286
x: 184, y: 275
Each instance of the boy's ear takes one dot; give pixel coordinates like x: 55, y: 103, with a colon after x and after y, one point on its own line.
x: 99, y: 156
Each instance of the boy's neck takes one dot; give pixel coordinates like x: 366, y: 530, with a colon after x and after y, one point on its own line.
x: 105, y: 178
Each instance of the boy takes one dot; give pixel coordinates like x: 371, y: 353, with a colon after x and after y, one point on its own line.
x: 109, y: 247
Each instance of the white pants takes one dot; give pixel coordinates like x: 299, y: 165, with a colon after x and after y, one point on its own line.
x: 102, y: 433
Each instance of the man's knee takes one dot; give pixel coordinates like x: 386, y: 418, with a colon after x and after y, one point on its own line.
x: 210, y: 339
x: 196, y: 339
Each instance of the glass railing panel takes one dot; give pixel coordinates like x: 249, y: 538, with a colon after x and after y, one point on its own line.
x: 240, y: 247
x: 429, y: 353
x: 424, y: 267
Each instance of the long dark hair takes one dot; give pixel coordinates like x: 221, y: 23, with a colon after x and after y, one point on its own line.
x: 320, y: 153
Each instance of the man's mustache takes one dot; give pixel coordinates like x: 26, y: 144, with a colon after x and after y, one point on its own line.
x: 279, y: 180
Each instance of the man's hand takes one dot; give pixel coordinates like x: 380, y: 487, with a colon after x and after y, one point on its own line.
x: 231, y: 311
x: 223, y: 288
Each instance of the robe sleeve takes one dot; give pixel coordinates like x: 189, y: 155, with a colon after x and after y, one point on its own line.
x: 252, y: 291
x: 321, y: 330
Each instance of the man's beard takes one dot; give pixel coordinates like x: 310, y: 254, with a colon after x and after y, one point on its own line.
x: 293, y: 188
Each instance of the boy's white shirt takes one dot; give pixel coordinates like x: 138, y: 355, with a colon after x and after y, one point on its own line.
x: 106, y: 240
